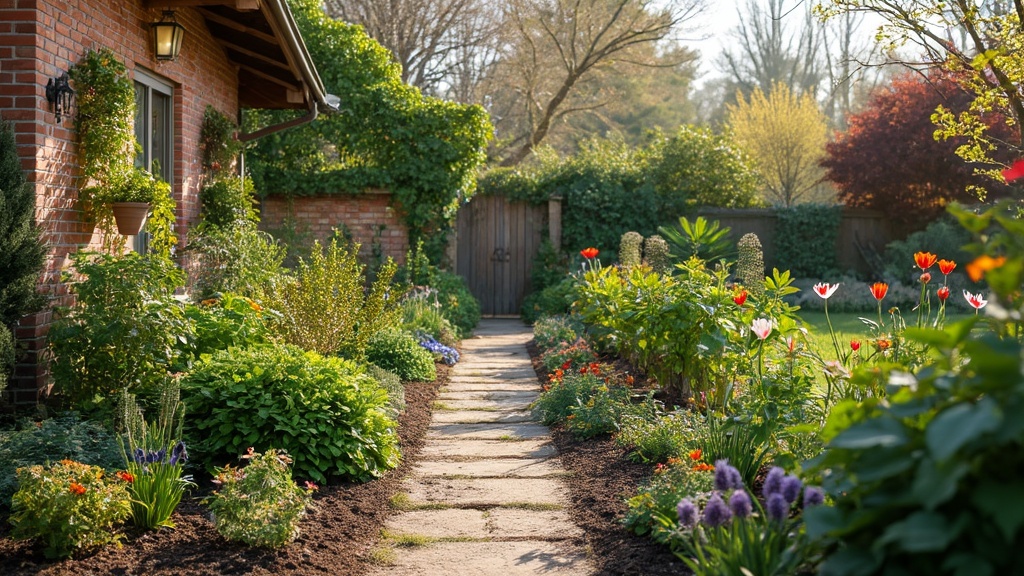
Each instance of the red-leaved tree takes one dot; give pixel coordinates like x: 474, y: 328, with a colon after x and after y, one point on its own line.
x: 889, y: 160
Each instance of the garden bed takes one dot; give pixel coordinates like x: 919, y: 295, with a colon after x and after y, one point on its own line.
x: 336, y: 537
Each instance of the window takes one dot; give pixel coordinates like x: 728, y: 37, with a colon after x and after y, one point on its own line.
x: 154, y: 124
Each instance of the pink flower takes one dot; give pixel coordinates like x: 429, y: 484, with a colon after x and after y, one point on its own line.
x: 975, y: 300
x: 825, y: 289
x: 762, y: 327
x: 926, y: 278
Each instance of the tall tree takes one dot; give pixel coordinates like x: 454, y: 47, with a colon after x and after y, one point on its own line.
x: 889, y: 160
x: 554, y: 47
x: 785, y: 134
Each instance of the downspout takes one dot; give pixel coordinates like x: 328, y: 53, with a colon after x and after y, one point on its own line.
x: 305, y: 119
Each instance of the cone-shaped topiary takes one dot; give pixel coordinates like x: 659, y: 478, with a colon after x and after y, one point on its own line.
x: 656, y: 253
x: 629, y: 249
x: 750, y: 266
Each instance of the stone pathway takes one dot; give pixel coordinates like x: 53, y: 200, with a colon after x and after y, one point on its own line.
x: 488, y: 495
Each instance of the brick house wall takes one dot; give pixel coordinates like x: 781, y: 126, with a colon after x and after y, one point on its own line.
x: 41, y: 39
x: 368, y: 217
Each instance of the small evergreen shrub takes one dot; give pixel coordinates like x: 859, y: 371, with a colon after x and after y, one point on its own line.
x: 66, y: 437
x: 750, y: 264
x: 400, y: 352
x: 260, y: 504
x: 552, y: 301
x: 629, y: 249
x: 805, y: 239
x: 69, y: 507
x: 549, y: 266
x: 549, y: 331
x: 657, y: 254
x: 227, y: 201
x: 391, y: 383
x: 324, y: 411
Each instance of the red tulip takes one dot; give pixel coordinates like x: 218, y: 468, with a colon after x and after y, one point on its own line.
x: 589, y: 253
x: 740, y: 297
x: 926, y: 278
x: 942, y: 293
x: 855, y: 344
x: 924, y: 260
x: 1014, y: 172
x: 946, y: 266
x: 878, y: 290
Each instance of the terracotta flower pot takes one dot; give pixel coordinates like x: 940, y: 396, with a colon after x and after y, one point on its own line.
x: 130, y: 216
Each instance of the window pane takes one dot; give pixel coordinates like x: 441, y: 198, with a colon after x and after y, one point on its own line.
x: 141, y: 158
x: 161, y: 135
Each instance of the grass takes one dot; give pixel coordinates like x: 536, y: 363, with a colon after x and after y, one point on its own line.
x: 848, y: 326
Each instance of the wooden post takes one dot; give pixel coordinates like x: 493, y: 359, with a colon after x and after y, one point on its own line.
x: 555, y: 222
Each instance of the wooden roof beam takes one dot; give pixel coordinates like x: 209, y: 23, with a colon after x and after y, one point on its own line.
x: 256, y: 55
x: 238, y: 26
x: 240, y: 5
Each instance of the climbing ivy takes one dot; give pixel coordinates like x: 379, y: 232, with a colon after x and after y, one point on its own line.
x: 387, y: 135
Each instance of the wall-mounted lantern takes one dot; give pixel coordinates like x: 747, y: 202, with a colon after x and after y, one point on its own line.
x: 59, y: 95
x: 167, y: 36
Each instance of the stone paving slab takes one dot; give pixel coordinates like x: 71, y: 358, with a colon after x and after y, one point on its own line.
x: 446, y: 394
x: 476, y: 492
x: 465, y: 448
x: 520, y: 558
x: 541, y: 524
x: 481, y: 416
x: 501, y: 374
x: 470, y: 386
x: 491, y: 468
x: 490, y: 524
x: 503, y: 405
x: 492, y: 431
x: 450, y: 523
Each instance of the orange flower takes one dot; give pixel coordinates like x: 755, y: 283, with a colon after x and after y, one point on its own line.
x: 883, y: 344
x: 924, y: 260
x: 76, y: 488
x: 589, y: 253
x: 630, y: 379
x: 673, y: 461
x: 126, y: 476
x: 982, y: 264
x: 946, y: 266
x: 703, y: 467
x: 878, y: 290
x: 696, y: 454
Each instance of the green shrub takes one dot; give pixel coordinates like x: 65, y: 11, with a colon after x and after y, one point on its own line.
x: 325, y: 411
x: 662, y: 493
x: 400, y: 352
x: 554, y: 300
x: 6, y: 357
x: 805, y: 239
x: 227, y: 321
x: 239, y: 259
x: 228, y: 201
x: 744, y: 444
x: 562, y: 394
x: 550, y: 331
x: 703, y: 239
x: 942, y: 237
x: 391, y: 383
x: 259, y: 505
x: 568, y: 356
x: 629, y: 249
x: 602, y: 412
x: 750, y: 264
x: 65, y: 437
x: 125, y: 330
x: 69, y: 507
x: 457, y: 303
x: 550, y: 266
x: 666, y: 435
x: 421, y: 313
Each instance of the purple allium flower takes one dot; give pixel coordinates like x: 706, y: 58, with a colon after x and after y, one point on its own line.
x: 813, y: 496
x: 791, y: 486
x: 773, y: 482
x: 139, y: 456
x: 778, y: 508
x: 687, y: 512
x: 716, y: 513
x: 740, y: 504
x: 179, y: 455
x: 727, y: 477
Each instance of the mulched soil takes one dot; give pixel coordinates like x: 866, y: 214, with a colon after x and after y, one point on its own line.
x: 601, y: 478
x: 336, y: 536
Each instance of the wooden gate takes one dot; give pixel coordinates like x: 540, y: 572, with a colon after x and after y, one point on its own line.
x: 497, y: 241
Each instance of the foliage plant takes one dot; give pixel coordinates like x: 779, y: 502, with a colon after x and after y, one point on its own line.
x: 324, y: 308
x: 660, y: 437
x: 421, y: 313
x: 6, y: 356
x: 744, y: 444
x: 554, y: 300
x: 924, y: 481
x: 587, y: 401
x: 325, y: 411
x: 550, y: 266
x: 658, y: 497
x: 239, y: 259
x: 217, y: 142
x: 457, y: 303
x: 630, y: 246
x: 750, y: 264
x: 550, y: 331
x: 227, y: 321
x: 125, y: 330
x: 943, y: 236
x: 568, y: 355
x: 226, y: 200
x: 154, y: 457
x: 703, y: 239
x: 806, y: 237
x: 424, y: 150
x: 391, y: 383
x: 565, y: 390
x: 22, y: 253
x: 401, y: 353
x: 260, y: 504
x: 69, y: 507
x: 64, y: 437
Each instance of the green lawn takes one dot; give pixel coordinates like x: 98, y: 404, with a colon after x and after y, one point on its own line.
x: 848, y: 326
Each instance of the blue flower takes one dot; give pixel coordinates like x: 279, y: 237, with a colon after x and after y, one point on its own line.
x: 773, y: 482
x: 687, y: 512
x: 778, y: 508
x: 813, y: 496
x: 139, y: 456
x: 727, y: 477
x: 179, y: 455
x: 740, y: 504
x: 716, y: 513
x: 791, y: 486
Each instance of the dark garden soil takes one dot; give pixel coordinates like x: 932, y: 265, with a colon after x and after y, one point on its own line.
x: 601, y: 477
x: 335, y: 539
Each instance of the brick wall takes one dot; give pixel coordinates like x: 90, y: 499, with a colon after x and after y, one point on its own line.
x: 368, y: 217
x: 40, y: 39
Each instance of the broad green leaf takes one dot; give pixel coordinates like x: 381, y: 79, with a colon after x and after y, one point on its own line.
x: 1002, y: 502
x: 922, y: 531
x: 934, y: 484
x: 961, y: 424
x: 875, y: 433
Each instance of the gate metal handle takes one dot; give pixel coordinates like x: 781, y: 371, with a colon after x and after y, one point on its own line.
x: 501, y: 255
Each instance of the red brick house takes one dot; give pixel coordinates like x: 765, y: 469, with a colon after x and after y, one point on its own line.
x: 235, y: 54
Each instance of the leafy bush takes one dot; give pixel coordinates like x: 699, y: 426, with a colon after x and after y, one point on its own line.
x: 706, y: 240
x: 941, y: 237
x: 400, y: 352
x: 325, y: 308
x: 421, y: 312
x: 549, y: 331
x: 125, y: 330
x: 326, y: 412
x: 259, y: 505
x: 391, y: 383
x: 657, y: 439
x: 602, y: 412
x: 553, y: 300
x: 228, y: 201
x: 239, y: 259
x: 458, y: 304
x: 660, y: 495
x: 564, y: 391
x: 744, y: 445
x: 65, y: 437
x: 805, y: 239
x: 69, y: 506
x: 568, y: 356
x: 227, y: 321
x: 550, y: 266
